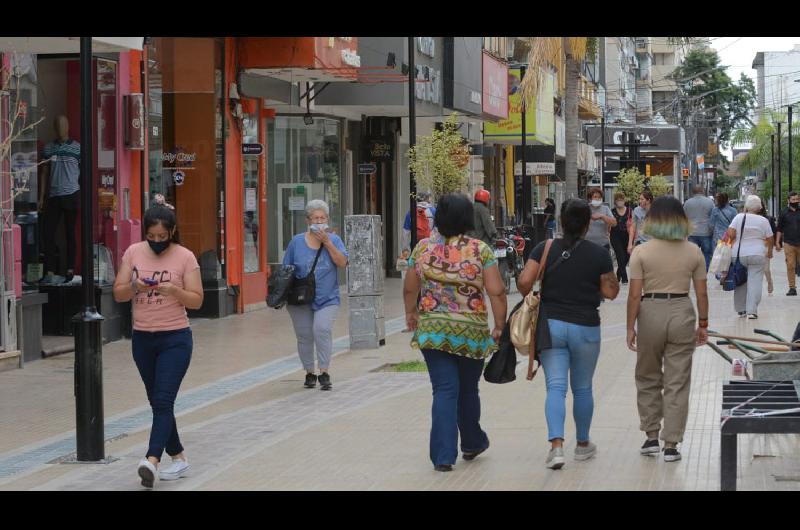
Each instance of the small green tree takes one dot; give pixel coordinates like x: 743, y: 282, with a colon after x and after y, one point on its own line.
x: 440, y: 161
x: 659, y: 186
x: 630, y: 183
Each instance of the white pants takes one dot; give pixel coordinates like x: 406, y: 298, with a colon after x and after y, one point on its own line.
x: 747, y: 296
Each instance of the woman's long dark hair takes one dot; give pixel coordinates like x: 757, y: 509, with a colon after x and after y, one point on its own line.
x: 575, y: 217
x: 165, y: 217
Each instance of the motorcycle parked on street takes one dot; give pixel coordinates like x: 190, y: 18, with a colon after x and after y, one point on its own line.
x: 509, y: 249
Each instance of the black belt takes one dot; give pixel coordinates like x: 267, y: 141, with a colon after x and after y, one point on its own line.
x: 665, y: 295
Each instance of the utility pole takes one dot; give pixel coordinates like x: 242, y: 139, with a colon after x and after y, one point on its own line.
x: 772, y: 157
x: 780, y: 190
x: 603, y: 151
x: 412, y: 138
x: 790, y: 147
x: 527, y: 207
x: 89, y: 429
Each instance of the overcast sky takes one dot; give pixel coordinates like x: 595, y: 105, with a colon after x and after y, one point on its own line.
x: 738, y: 53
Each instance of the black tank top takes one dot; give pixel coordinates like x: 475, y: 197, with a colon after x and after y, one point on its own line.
x: 622, y: 220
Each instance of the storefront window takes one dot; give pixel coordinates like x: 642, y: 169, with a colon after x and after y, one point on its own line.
x: 250, y: 164
x: 186, y: 142
x: 304, y: 164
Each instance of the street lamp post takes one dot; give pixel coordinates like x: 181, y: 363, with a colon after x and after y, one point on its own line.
x: 527, y: 207
x: 88, y: 339
x: 412, y: 137
x: 780, y: 190
x: 772, y: 158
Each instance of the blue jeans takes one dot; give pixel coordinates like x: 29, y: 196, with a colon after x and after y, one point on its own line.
x: 456, y: 405
x: 706, y: 245
x: 575, y: 351
x: 162, y: 358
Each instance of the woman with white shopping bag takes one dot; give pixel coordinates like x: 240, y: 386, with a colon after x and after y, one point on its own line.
x: 752, y: 239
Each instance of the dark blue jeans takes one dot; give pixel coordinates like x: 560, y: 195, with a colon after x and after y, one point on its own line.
x: 456, y: 405
x: 162, y: 358
x: 706, y: 245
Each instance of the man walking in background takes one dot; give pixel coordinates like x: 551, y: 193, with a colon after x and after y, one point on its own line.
x: 698, y: 210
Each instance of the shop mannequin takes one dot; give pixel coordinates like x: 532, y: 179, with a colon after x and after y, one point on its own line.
x: 59, y: 194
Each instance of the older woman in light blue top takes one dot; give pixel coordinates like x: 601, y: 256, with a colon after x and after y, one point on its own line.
x: 313, y: 323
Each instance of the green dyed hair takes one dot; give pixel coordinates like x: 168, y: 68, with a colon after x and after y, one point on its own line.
x: 667, y: 220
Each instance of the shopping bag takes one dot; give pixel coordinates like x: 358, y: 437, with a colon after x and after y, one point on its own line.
x: 721, y: 260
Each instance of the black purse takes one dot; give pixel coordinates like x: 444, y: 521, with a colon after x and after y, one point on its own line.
x: 502, y: 367
x: 303, y: 290
x: 278, y: 286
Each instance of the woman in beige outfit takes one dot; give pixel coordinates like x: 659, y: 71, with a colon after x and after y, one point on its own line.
x: 664, y: 336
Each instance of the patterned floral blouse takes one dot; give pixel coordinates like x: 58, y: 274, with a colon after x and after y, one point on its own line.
x: 453, y: 315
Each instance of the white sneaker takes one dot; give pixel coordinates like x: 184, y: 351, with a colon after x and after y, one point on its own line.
x: 555, y: 458
x: 147, y: 472
x: 175, y: 471
x: 585, y: 453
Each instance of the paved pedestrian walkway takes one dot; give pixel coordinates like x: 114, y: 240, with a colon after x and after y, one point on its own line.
x: 247, y: 423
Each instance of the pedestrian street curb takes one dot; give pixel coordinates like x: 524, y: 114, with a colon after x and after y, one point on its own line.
x: 15, y: 464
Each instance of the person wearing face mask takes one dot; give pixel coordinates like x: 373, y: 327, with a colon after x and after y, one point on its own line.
x: 602, y: 220
x: 619, y: 236
x: 322, y: 252
x: 162, y: 278
x: 788, y: 238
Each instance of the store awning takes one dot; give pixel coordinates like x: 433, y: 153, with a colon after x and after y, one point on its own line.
x: 68, y: 44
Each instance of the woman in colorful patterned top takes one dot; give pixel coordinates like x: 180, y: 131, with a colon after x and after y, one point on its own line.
x: 447, y: 311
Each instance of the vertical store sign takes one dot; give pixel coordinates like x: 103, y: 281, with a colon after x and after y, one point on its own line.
x: 495, y: 87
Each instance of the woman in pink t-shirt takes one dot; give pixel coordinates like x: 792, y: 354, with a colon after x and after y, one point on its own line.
x: 163, y: 279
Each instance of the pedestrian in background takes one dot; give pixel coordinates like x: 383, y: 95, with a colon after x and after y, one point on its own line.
x: 425, y: 221
x: 446, y: 308
x: 162, y: 279
x: 753, y: 246
x: 578, y: 274
x: 636, y: 235
x: 323, y: 252
x: 602, y: 220
x: 698, y: 209
x: 661, y: 324
x: 550, y: 213
x: 721, y: 217
x: 788, y: 239
x: 767, y: 267
x: 619, y: 235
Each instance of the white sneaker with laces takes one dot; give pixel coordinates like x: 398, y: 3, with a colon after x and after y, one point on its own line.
x: 147, y: 472
x: 175, y: 471
x: 555, y: 458
x: 585, y: 452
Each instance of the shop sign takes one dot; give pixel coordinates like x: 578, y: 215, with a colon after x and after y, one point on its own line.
x: 297, y: 203
x: 536, y: 168
x: 495, y: 87
x: 379, y: 149
x: 252, y: 149
x: 366, y: 169
x: 179, y: 177
x: 181, y: 158
x: 561, y: 137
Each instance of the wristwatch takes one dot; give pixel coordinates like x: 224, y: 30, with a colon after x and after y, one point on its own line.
x: 702, y: 323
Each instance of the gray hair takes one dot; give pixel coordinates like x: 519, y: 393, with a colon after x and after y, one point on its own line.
x: 752, y: 203
x: 317, y: 204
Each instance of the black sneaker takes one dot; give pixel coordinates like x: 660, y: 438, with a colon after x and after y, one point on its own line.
x: 671, y: 454
x: 792, y: 292
x: 311, y: 381
x: 650, y: 447
x: 471, y: 456
x: 443, y: 467
x: 325, y: 381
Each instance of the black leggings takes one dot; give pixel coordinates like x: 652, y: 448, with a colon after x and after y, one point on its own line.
x: 619, y: 242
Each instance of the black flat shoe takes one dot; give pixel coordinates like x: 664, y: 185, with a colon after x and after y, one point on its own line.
x: 443, y: 467
x: 471, y: 456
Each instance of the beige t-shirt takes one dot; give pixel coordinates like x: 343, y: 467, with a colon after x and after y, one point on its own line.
x: 667, y: 266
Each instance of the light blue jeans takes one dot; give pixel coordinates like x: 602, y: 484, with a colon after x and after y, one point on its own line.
x: 575, y: 351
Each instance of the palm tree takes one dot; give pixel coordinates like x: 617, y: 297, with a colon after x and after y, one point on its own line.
x: 543, y: 54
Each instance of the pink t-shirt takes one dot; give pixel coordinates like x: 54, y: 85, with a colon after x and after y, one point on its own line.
x: 153, y: 311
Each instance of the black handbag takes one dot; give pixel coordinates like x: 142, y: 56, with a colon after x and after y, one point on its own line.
x: 303, y: 290
x: 278, y: 286
x: 502, y: 367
